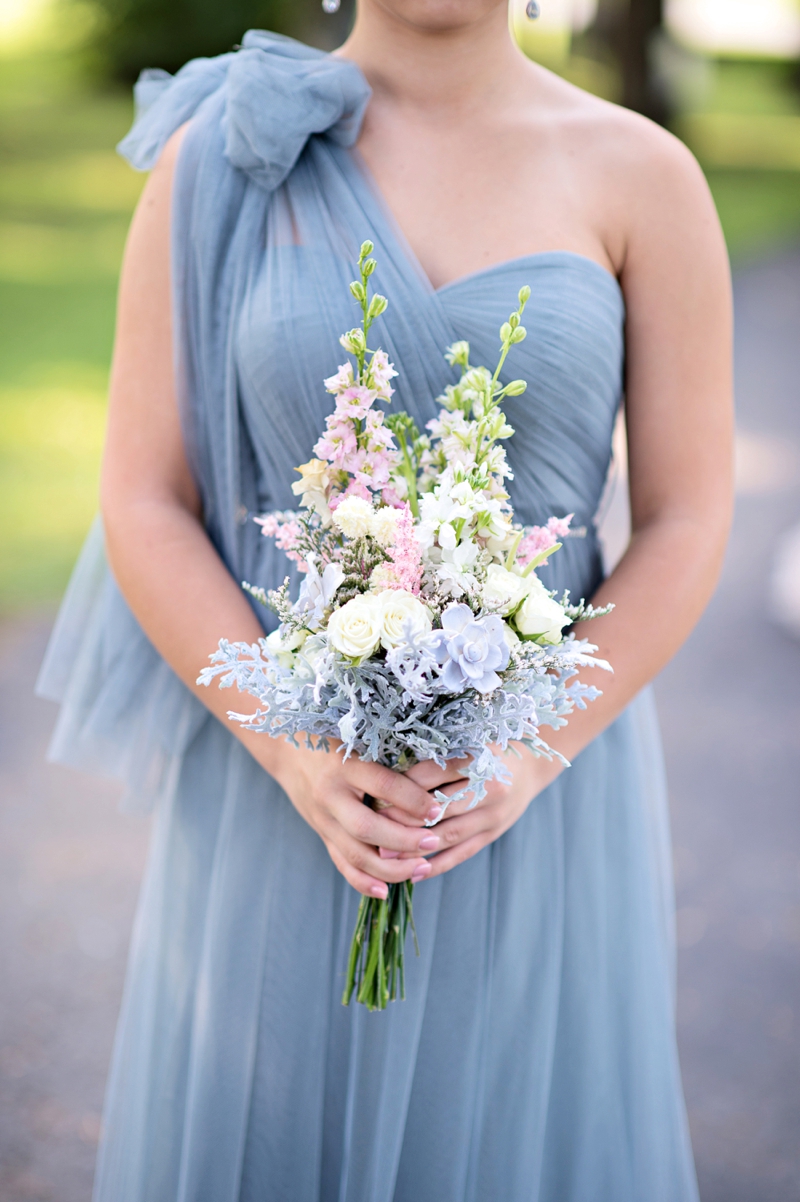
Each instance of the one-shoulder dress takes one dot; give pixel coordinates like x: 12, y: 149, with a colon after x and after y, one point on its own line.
x: 534, y: 1059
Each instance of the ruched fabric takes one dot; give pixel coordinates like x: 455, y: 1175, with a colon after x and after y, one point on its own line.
x: 534, y: 1059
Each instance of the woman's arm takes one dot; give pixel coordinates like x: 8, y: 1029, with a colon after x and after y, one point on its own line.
x: 177, y: 585
x: 674, y: 274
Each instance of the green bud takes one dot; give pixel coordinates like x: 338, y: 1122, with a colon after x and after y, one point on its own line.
x: 524, y: 295
x: 369, y: 267
x: 353, y: 340
x: 515, y: 388
x: 506, y: 332
x: 357, y: 290
x: 514, y: 320
x: 377, y: 305
x: 519, y: 334
x: 367, y: 248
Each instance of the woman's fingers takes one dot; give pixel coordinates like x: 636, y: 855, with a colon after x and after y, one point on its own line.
x: 460, y: 828
x: 394, y: 788
x: 375, y: 828
x: 365, y: 859
x: 429, y: 775
x: 457, y: 855
x: 362, y: 881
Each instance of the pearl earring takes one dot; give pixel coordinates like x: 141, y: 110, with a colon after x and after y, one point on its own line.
x: 331, y: 6
x: 532, y: 10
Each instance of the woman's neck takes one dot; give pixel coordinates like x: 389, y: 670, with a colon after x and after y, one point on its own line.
x: 443, y: 69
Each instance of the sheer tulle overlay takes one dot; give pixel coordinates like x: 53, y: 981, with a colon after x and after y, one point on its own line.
x: 534, y: 1060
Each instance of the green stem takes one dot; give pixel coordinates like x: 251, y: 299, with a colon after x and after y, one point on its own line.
x: 512, y: 554
x: 409, y: 473
x: 503, y: 353
x: 376, y: 964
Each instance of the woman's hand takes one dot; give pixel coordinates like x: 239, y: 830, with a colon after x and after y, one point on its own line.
x: 464, y: 832
x: 328, y: 792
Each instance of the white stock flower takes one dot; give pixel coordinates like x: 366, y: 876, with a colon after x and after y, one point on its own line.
x: 355, y: 629
x: 539, y: 616
x: 383, y: 525
x: 447, y: 537
x: 316, y: 592
x: 503, y: 590
x: 500, y: 536
x: 353, y: 516
x: 401, y: 613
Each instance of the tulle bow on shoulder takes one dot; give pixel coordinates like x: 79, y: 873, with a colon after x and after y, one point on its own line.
x: 278, y: 93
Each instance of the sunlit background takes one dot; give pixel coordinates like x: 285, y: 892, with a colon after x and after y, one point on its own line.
x: 724, y: 75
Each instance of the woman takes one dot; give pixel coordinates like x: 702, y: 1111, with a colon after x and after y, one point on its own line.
x: 535, y: 1056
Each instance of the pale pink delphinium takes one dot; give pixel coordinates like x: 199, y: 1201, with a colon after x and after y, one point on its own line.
x: 382, y: 371
x: 285, y: 534
x: 356, y: 441
x: 343, y: 379
x: 542, y: 538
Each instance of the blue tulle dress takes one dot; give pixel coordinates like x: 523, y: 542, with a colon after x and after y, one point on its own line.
x: 535, y: 1058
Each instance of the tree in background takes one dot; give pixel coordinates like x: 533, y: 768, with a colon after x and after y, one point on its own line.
x: 630, y: 30
x: 131, y: 34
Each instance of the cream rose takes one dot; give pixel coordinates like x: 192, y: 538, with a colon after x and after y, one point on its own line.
x: 398, y: 609
x: 503, y: 590
x: 353, y: 516
x: 356, y: 628
x: 313, y: 486
x: 539, y: 616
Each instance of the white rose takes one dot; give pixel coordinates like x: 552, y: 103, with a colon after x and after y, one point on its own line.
x: 510, y: 635
x: 353, y: 516
x: 283, y: 644
x: 383, y: 525
x: 398, y: 609
x: 539, y: 616
x: 313, y: 649
x: 356, y: 628
x: 503, y: 590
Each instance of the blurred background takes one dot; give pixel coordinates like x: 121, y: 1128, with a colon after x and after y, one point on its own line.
x: 724, y: 75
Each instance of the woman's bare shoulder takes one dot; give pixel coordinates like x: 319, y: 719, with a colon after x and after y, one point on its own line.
x: 612, y: 134
x: 637, y: 176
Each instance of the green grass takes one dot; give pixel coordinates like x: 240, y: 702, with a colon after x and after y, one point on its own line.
x: 65, y: 201
x: 759, y: 210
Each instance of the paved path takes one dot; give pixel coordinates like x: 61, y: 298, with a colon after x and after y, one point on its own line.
x: 70, y: 863
x: 730, y: 708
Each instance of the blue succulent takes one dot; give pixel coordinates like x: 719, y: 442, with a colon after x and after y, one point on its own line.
x: 471, y: 651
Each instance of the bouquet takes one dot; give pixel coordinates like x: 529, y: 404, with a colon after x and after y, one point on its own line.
x: 421, y: 630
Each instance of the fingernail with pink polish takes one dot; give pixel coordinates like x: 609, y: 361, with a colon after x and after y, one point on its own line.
x: 385, y: 854
x: 420, y: 873
x: 434, y: 812
x: 429, y: 843
x: 381, y: 891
